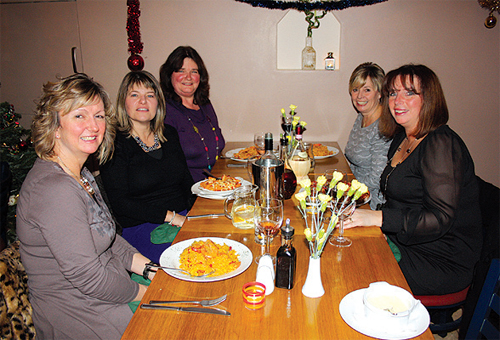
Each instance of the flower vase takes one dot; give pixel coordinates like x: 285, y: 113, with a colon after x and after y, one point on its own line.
x: 313, y: 287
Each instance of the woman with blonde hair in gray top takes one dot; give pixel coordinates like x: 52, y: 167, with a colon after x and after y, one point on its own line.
x: 78, y: 267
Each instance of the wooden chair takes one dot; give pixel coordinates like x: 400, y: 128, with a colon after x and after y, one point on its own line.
x: 15, y: 309
x: 485, y: 321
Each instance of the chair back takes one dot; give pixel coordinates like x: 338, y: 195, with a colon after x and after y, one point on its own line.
x: 15, y: 309
x: 481, y: 325
x: 489, y: 200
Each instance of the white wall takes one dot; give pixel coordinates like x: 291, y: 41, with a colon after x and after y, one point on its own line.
x: 238, y: 45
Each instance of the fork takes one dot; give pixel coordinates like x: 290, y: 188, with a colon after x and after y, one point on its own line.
x: 179, y: 269
x: 204, y: 303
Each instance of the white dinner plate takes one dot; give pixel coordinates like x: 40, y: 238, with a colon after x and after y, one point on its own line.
x: 231, y: 153
x: 171, y: 256
x: 351, y: 309
x: 330, y: 148
x: 215, y: 195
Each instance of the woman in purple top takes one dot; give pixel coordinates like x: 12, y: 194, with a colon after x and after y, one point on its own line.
x: 184, y: 81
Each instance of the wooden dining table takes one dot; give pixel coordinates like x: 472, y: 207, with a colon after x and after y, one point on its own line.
x: 287, y: 314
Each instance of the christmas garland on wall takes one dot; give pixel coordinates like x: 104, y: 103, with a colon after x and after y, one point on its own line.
x: 135, y: 62
x: 305, y: 5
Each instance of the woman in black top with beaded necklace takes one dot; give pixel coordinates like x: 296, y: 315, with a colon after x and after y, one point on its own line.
x: 184, y: 80
x: 432, y: 210
x: 147, y: 179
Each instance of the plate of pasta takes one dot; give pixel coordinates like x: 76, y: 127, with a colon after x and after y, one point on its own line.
x: 222, y: 257
x: 324, y: 151
x: 242, y: 154
x: 197, y: 189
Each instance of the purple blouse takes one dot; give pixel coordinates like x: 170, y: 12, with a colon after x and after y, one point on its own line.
x: 200, y: 154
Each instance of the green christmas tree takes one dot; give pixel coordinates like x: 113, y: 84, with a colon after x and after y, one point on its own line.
x: 16, y: 149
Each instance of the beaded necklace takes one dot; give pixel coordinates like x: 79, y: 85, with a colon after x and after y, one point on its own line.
x: 143, y: 145
x: 85, y: 183
x: 203, y: 139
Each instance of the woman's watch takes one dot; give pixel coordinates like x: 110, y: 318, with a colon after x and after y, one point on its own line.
x: 147, y: 269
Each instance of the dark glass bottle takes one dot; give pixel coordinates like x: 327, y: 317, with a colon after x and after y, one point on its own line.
x: 289, y: 179
x: 286, y: 259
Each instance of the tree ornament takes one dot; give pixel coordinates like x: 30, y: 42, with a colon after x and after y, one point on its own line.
x: 135, y: 62
x: 135, y: 46
x: 490, y: 21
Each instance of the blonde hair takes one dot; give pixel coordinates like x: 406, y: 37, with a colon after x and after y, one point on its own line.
x: 365, y: 71
x: 60, y: 98
x: 147, y: 80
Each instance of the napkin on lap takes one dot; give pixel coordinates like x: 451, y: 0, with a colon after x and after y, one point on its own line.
x: 164, y: 233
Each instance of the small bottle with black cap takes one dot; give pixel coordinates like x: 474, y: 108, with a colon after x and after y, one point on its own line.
x: 286, y: 258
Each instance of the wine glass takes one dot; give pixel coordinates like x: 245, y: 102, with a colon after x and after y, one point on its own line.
x: 344, y: 211
x: 268, y: 217
x: 259, y: 141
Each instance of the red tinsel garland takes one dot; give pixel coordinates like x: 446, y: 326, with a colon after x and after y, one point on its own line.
x: 135, y: 46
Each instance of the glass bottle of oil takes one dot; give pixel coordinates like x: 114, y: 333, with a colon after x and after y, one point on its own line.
x: 286, y: 258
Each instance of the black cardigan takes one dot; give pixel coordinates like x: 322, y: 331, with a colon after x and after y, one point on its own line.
x: 140, y: 187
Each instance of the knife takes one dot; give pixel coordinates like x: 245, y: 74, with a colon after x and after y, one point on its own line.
x: 207, y: 215
x: 187, y: 309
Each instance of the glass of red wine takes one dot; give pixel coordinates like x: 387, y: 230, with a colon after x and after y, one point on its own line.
x: 268, y: 217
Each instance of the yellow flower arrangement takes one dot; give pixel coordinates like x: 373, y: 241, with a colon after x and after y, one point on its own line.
x: 315, y: 206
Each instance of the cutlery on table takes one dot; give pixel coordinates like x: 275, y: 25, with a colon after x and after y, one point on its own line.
x: 204, y: 303
x: 188, y: 309
x: 181, y: 270
x: 206, y: 215
x: 231, y: 165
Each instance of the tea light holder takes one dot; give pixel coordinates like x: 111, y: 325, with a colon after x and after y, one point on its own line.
x: 254, y: 295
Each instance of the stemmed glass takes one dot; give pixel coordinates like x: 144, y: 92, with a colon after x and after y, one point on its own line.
x: 345, y: 210
x: 268, y: 217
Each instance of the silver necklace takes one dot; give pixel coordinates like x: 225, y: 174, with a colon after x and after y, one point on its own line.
x: 143, y: 145
x: 85, y: 183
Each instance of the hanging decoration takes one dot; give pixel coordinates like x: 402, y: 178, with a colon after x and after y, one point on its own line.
x: 492, y: 6
x: 135, y: 62
x: 313, y: 20
x: 310, y: 5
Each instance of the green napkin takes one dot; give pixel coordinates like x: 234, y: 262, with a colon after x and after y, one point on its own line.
x: 395, y: 250
x: 139, y: 279
x: 164, y: 233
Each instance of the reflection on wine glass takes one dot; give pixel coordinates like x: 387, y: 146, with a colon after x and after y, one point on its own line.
x: 344, y: 211
x: 259, y: 141
x: 268, y: 217
x: 310, y: 152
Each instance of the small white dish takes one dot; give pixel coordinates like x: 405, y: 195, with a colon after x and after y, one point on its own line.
x: 352, y: 310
